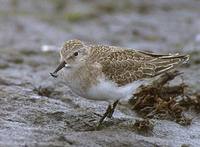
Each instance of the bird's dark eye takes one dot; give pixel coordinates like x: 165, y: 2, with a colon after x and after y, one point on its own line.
x: 76, y: 54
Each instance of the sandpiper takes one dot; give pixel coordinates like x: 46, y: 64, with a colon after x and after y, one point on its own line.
x: 110, y: 73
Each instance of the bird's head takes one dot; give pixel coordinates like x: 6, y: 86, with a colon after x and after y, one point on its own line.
x: 72, y: 53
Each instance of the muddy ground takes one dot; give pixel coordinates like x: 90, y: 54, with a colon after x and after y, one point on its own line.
x: 38, y: 110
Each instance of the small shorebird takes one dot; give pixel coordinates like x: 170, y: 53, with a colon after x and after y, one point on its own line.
x: 110, y: 73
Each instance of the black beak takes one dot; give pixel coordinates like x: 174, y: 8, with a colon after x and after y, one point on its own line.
x: 60, y: 66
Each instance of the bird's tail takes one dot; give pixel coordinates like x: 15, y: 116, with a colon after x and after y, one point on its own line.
x: 163, y: 63
x: 168, y: 62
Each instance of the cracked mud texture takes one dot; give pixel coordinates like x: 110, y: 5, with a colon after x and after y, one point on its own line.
x: 37, y: 110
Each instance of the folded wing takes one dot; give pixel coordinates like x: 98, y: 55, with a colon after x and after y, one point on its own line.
x: 125, y: 66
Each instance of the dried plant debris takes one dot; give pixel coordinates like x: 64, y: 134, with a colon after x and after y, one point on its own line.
x: 143, y: 126
x: 191, y: 101
x: 160, y: 101
x: 46, y: 91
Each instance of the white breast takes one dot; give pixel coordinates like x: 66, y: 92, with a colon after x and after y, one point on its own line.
x: 105, y: 90
x: 109, y: 91
x: 73, y: 81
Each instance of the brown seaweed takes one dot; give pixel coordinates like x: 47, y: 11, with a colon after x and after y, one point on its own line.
x: 159, y: 100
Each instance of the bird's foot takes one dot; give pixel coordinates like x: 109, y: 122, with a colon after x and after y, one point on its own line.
x: 105, y: 115
x: 109, y: 112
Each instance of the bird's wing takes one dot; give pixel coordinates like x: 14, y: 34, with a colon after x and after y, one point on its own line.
x: 125, y: 66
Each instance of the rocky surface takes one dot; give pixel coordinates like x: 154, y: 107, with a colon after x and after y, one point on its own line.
x: 37, y: 110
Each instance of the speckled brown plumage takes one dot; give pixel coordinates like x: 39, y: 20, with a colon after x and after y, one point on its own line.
x: 127, y: 65
x: 122, y: 65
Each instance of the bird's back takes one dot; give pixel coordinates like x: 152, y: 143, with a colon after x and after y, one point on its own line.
x: 124, y: 66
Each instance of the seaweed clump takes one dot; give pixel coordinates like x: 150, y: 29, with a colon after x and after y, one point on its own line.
x: 46, y: 91
x: 159, y: 100
x: 143, y: 126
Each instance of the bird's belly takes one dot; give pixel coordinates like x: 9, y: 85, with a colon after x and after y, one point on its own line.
x: 103, y: 90
x: 109, y: 91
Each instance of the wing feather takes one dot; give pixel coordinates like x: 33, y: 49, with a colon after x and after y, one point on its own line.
x: 125, y: 66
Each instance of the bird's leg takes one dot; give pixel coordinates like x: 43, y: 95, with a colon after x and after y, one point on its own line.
x: 108, y: 110
x: 113, y: 109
